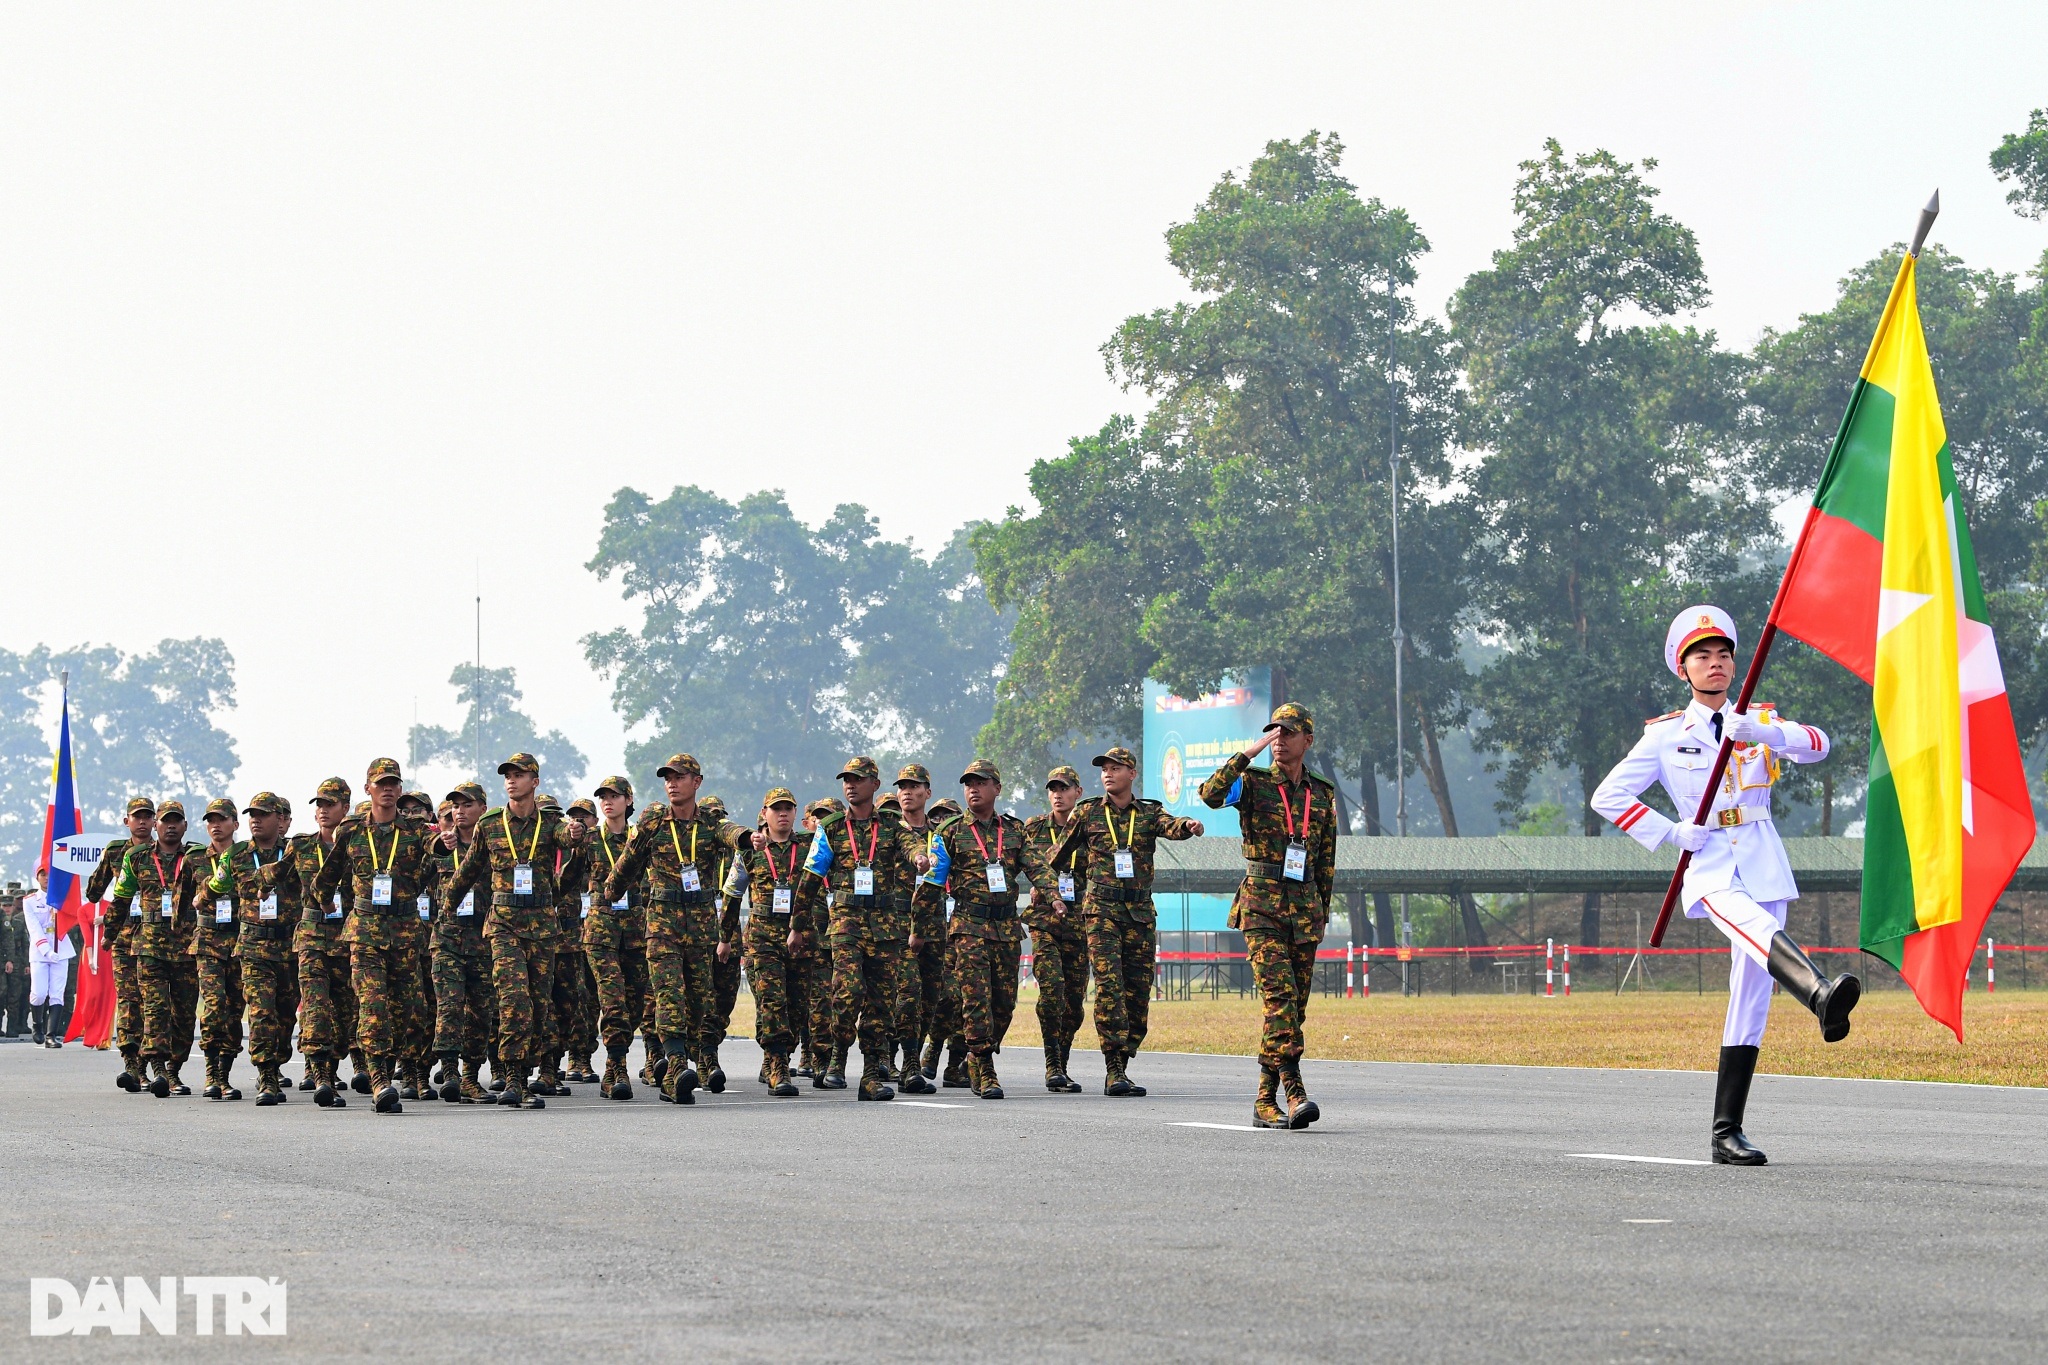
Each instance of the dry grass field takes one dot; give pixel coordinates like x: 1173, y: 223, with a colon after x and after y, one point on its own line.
x: 2006, y: 1034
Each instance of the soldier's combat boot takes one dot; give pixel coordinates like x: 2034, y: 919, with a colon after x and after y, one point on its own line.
x: 211, y: 1090
x: 227, y: 1086
x: 306, y: 1080
x: 549, y: 1082
x: 450, y: 1072
x: 957, y: 1074
x: 1114, y: 1081
x: 679, y: 1081
x: 178, y: 1086
x: 1301, y: 1110
x: 385, y: 1088
x: 587, y: 1069
x: 874, y: 1080
x: 1731, y: 1096
x: 513, y: 1072
x: 159, y: 1079
x: 323, y: 1087
x: 779, y: 1083
x: 39, y: 1016
x: 1266, y: 1108
x: 1830, y: 1001
x: 835, y: 1073
x: 269, y: 1087
x: 473, y: 1091
x: 763, y: 1077
x: 714, y: 1074
x: 990, y: 1087
x: 803, y: 1065
x: 622, y: 1085
x: 130, y: 1079
x: 928, y: 1061
x: 611, y: 1073
x: 359, y: 1069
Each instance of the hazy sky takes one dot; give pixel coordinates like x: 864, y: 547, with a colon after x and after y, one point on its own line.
x: 311, y: 316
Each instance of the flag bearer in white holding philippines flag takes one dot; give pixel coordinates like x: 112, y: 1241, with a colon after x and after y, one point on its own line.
x: 1738, y: 877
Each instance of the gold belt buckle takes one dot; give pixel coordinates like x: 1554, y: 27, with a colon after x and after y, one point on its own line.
x: 1731, y: 816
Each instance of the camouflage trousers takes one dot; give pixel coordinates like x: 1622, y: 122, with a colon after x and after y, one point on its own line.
x: 679, y: 975
x: 1282, y: 969
x: 1059, y: 964
x: 465, y: 1010
x: 725, y: 988
x: 271, y: 992
x: 170, y: 1006
x: 817, y: 962
x: 983, y: 972
x: 618, y: 968
x: 873, y: 997
x: 565, y: 1010
x: 927, y: 965
x: 521, y: 978
x: 385, y: 980
x: 327, y: 1003
x: 127, y: 1002
x: 1122, y: 955
x: 777, y: 981
x: 220, y: 1004
x: 425, y: 1017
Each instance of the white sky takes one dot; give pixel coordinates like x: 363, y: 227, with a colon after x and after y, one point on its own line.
x: 294, y: 296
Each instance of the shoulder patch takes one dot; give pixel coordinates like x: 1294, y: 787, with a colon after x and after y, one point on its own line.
x: 1317, y: 778
x: 1150, y: 804
x: 1658, y: 720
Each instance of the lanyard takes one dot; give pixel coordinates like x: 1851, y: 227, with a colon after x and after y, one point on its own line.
x: 611, y: 859
x: 370, y: 833
x: 256, y: 856
x: 176, y: 868
x: 677, y: 840
x: 853, y: 840
x: 1130, y: 831
x: 531, y: 849
x: 975, y: 830
x: 1287, y: 812
x: 769, y: 854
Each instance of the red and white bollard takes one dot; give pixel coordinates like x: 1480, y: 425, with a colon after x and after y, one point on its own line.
x: 1347, y: 971
x: 1549, y: 968
x: 1990, y: 967
x: 1567, y: 969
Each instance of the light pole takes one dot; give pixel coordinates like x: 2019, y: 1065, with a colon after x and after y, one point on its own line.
x: 1400, y: 636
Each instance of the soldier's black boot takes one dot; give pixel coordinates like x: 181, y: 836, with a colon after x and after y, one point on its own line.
x: 269, y: 1087
x: 622, y: 1083
x: 779, y: 1083
x: 1266, y: 1107
x: 359, y: 1071
x: 323, y: 1084
x: 714, y: 1074
x: 679, y: 1079
x: 1731, y: 1097
x: 39, y: 1018
x: 874, y: 1079
x: 384, y: 1088
x: 1073, y: 1087
x: 412, y: 1079
x: 929, y: 1062
x: 987, y: 1086
x: 178, y: 1086
x: 1301, y: 1110
x: 130, y: 1078
x: 227, y: 1086
x: 159, y: 1079
x: 910, y: 1077
x: 956, y: 1075
x: 451, y: 1077
x: 835, y: 1073
x: 306, y: 1080
x: 1830, y: 1001
x: 1114, y: 1082
x: 211, y: 1090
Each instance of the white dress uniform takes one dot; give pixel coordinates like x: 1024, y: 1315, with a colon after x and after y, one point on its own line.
x: 47, y: 951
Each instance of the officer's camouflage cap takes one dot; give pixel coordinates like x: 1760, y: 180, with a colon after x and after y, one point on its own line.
x: 333, y: 789
x: 939, y: 810
x: 825, y: 805
x: 617, y: 786
x: 266, y: 803
x: 1293, y: 718
x: 141, y: 805
x: 913, y: 773
x: 680, y: 765
x: 778, y: 796
x: 381, y: 768
x: 469, y: 791
x: 584, y: 806
x: 362, y: 808
x: 981, y: 767
x: 892, y: 801
x: 549, y: 803
x: 445, y: 806
x: 1063, y: 776
x: 170, y: 808
x: 524, y: 763
x: 284, y: 807
x: 860, y: 765
x: 220, y: 805
x: 1119, y: 756
x: 713, y: 806
x: 418, y: 798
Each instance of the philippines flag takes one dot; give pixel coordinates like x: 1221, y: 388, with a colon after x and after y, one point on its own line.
x: 92, y: 1013
x: 63, y: 820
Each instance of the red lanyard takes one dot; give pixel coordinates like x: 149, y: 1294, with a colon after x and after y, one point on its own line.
x: 778, y: 877
x: 853, y: 842
x: 1287, y: 812
x: 975, y: 830
x: 176, y: 868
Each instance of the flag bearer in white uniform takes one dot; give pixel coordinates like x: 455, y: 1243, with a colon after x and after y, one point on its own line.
x: 49, y: 952
x: 1738, y: 877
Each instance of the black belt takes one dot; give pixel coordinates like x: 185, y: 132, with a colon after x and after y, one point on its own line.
x: 366, y: 905
x: 268, y: 933
x: 983, y: 910
x: 675, y: 895
x: 514, y: 901
x: 1120, y: 895
x: 1269, y: 871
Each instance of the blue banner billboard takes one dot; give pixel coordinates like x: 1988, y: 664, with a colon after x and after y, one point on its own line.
x: 1186, y: 739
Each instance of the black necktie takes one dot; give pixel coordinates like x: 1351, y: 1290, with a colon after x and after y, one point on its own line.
x: 1717, y: 727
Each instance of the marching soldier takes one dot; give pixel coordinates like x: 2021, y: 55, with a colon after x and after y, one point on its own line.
x: 514, y: 855
x: 816, y: 954
x: 154, y: 878
x: 121, y: 917
x: 1113, y: 845
x: 416, y: 1065
x: 1738, y: 876
x: 1289, y: 819
x: 47, y: 958
x: 726, y: 955
x: 574, y: 1013
x: 266, y: 919
x: 615, y: 942
x: 857, y: 860
x: 926, y: 960
x: 465, y: 1010
x: 770, y: 870
x: 215, y: 943
x: 327, y: 1021
x: 978, y: 858
x: 947, y: 1024
x: 1059, y: 944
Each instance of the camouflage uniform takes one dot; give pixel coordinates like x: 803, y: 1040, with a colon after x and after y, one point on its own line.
x: 1059, y: 943
x: 215, y: 947
x: 679, y: 860
x: 873, y: 997
x: 816, y: 1013
x: 725, y: 971
x: 416, y: 808
x: 565, y: 1000
x: 772, y: 871
x: 161, y: 940
x: 465, y: 1008
x: 521, y: 928
x: 1120, y: 918
x: 264, y: 934
x: 615, y: 945
x: 380, y: 872
x: 1282, y: 917
x: 984, y: 938
x: 120, y: 917
x: 327, y: 997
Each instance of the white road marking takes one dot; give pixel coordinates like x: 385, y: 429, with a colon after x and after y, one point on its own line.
x: 1227, y: 1127
x: 930, y: 1104
x: 1652, y: 1160
x: 1646, y: 1220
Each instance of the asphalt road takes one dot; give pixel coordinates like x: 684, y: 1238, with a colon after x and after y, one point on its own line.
x: 1436, y: 1212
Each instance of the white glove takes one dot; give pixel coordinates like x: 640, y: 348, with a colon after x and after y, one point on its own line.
x: 1688, y: 836
x: 1744, y: 728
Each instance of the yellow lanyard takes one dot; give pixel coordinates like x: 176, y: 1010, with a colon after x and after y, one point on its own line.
x: 604, y: 841
x: 677, y: 840
x: 370, y: 833
x: 1130, y: 831
x: 513, y: 844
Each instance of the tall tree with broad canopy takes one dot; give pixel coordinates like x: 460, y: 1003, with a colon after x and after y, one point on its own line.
x: 493, y: 729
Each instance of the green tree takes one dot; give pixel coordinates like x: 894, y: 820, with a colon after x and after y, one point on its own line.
x: 493, y: 729
x: 1601, y: 481
x: 2022, y: 158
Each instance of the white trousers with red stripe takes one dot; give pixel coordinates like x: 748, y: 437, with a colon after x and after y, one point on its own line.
x: 1749, y: 926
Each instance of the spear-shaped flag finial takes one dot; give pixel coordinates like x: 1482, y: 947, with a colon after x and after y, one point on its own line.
x: 1927, y: 217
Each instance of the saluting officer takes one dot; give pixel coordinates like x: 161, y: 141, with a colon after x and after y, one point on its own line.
x: 1739, y: 877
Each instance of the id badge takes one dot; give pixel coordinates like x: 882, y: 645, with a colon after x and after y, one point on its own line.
x: 1126, y: 863
x: 468, y: 906
x: 1067, y: 887
x: 334, y: 910
x: 783, y: 898
x: 426, y: 906
x: 691, y: 881
x: 267, y: 907
x: 863, y: 881
x: 622, y: 903
x: 1295, y: 866
x: 224, y: 911
x: 380, y: 889
x: 997, y: 882
x: 135, y: 907
x: 522, y: 879
x: 586, y: 905
x: 170, y: 907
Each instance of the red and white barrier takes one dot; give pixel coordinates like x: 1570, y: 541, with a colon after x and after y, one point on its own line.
x: 1549, y: 968
x: 1990, y: 966
x: 1347, y: 971
x: 1567, y: 969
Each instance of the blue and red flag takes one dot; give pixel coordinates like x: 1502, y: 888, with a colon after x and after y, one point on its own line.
x: 64, y: 819
x: 92, y: 1013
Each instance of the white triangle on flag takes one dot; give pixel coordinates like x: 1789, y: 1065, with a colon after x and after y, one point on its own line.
x: 1894, y: 605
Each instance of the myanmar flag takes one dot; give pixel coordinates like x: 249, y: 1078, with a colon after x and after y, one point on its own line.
x: 1884, y: 582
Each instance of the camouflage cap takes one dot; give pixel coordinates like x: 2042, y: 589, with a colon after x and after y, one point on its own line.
x: 860, y: 765
x: 778, y: 796
x: 220, y: 805
x: 939, y: 810
x: 381, y: 768
x: 892, y: 801
x: 825, y: 805
x: 469, y: 791
x: 445, y: 806
x: 169, y: 808
x: 266, y: 803
x: 983, y: 769
x: 333, y: 789
x: 680, y: 765
x: 417, y: 798
x: 1292, y: 718
x: 362, y: 808
x: 522, y: 763
x: 915, y: 773
x: 284, y: 807
x: 585, y: 807
x: 141, y: 805
x: 713, y: 806
x: 548, y: 802
x: 1119, y: 757
x: 1063, y: 776
x: 617, y: 786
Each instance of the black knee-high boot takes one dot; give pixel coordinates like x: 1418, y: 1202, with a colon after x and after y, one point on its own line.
x: 1731, y: 1097
x: 1830, y: 1001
